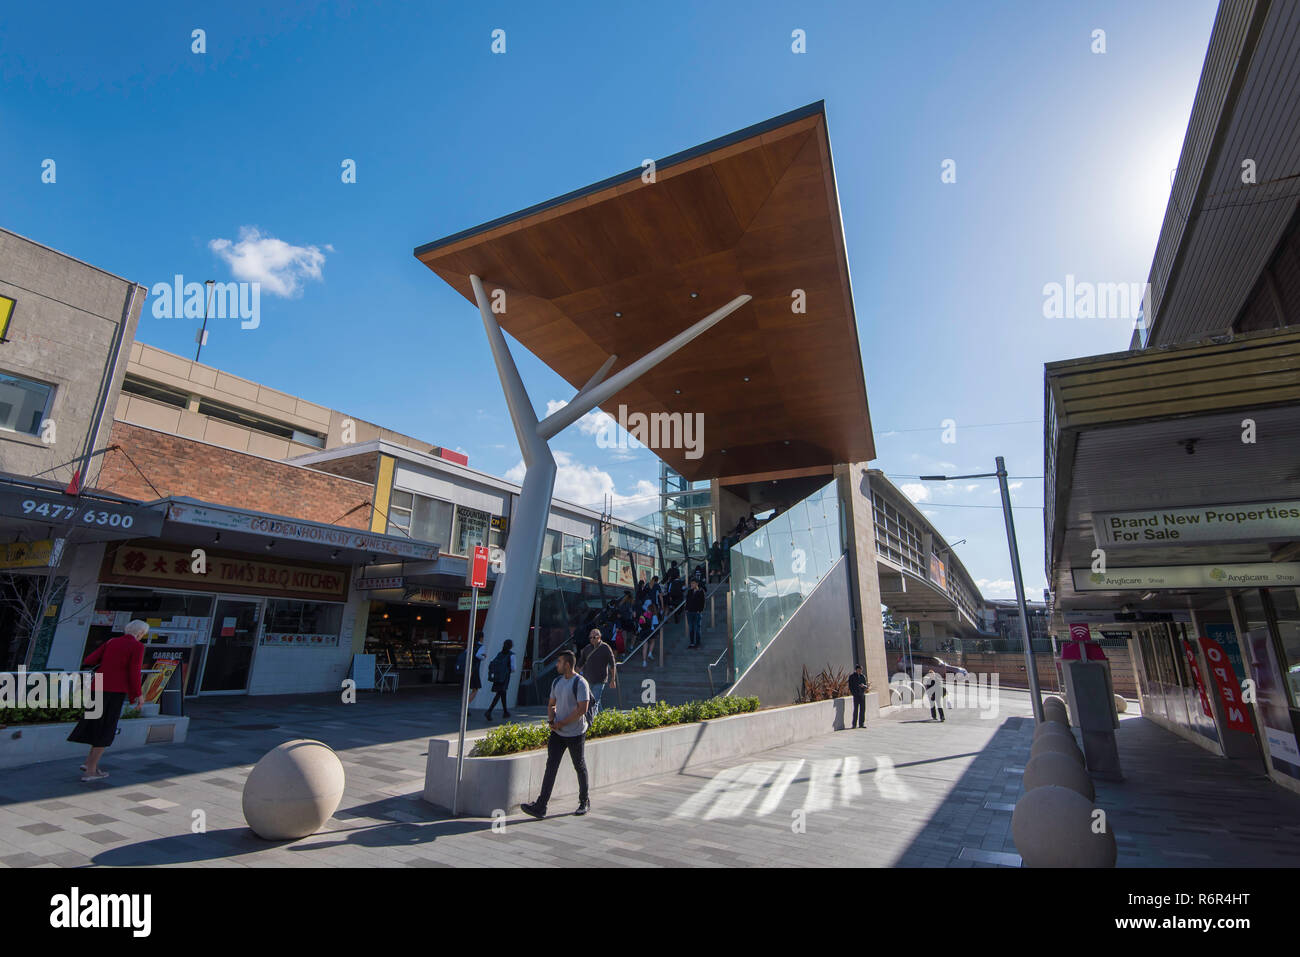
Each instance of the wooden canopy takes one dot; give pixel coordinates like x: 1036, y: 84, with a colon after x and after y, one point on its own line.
x: 623, y: 265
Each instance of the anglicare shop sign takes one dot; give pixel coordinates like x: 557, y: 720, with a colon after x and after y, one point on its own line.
x: 1277, y: 521
x: 132, y: 564
x: 1256, y: 575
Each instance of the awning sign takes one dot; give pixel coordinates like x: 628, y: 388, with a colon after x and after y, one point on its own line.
x: 333, y: 535
x: 1250, y: 522
x: 1154, y: 577
x: 72, y: 511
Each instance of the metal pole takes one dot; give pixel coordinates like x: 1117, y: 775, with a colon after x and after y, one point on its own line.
x: 470, y: 662
x: 207, y: 301
x: 1035, y: 696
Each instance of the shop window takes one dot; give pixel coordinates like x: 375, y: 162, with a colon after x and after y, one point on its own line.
x: 287, y: 620
x: 473, y: 528
x: 1287, y: 608
x: 419, y: 517
x: 24, y: 404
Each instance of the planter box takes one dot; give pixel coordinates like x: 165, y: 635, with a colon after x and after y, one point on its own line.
x: 32, y: 743
x: 505, y: 782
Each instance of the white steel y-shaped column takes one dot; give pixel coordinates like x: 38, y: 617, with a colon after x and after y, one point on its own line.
x: 512, y: 598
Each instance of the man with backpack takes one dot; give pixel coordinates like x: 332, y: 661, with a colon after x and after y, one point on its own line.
x: 567, y: 719
x: 500, y: 669
x: 676, y: 594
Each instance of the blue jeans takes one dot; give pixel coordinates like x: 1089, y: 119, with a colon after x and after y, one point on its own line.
x: 596, y: 691
x: 695, y: 620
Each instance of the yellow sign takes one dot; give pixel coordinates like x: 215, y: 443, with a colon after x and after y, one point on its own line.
x: 26, y: 554
x: 6, y: 313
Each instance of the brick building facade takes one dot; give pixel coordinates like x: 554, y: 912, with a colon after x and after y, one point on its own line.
x: 178, y: 466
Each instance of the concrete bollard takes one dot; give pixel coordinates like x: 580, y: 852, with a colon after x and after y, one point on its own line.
x: 293, y: 790
x: 1052, y: 727
x: 1059, y: 743
x: 1054, y: 768
x: 1120, y: 704
x: 1057, y: 827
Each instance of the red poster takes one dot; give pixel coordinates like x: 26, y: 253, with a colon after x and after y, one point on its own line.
x: 1235, y: 710
x: 1196, y: 676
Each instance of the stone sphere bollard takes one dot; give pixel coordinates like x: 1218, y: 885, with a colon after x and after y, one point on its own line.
x: 1054, y: 710
x: 1055, y: 827
x: 293, y: 790
x: 1120, y: 704
x: 1059, y: 743
x: 1054, y: 768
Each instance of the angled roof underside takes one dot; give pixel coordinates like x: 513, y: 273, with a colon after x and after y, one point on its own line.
x: 755, y: 212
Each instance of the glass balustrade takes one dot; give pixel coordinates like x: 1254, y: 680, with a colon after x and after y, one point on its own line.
x: 776, y: 568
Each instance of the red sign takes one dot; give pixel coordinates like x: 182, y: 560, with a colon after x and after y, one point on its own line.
x: 1196, y: 676
x: 478, y: 567
x: 1234, y: 709
x: 1080, y: 632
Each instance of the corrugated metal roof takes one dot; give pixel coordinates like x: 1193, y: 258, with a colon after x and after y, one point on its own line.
x: 1219, y: 232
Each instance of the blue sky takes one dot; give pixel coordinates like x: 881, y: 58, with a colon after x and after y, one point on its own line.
x: 1063, y: 162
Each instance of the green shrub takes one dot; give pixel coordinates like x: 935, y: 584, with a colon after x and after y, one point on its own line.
x: 512, y: 738
x: 15, y: 716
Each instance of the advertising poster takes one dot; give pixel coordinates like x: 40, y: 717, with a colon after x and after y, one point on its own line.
x: 161, y: 670
x: 1271, y: 700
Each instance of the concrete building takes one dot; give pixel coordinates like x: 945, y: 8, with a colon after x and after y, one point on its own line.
x: 64, y: 329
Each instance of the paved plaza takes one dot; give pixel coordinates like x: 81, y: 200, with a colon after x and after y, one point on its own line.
x: 904, y: 792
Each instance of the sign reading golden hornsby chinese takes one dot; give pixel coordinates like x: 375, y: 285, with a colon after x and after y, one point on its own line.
x: 133, y: 563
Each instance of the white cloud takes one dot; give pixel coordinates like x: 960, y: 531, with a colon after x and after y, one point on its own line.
x: 280, y: 268
x: 996, y: 587
x: 1015, y: 485
x: 915, y: 491
x: 590, y: 486
x: 593, y: 423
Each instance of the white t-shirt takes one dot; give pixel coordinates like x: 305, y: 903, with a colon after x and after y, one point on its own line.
x: 567, y: 692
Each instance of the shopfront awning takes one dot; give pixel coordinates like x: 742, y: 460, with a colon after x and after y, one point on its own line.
x: 620, y: 266
x: 1181, y: 464
x: 201, y: 523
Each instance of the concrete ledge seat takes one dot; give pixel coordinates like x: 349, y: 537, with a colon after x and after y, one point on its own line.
x: 500, y: 783
x: 22, y: 744
x: 1054, y: 827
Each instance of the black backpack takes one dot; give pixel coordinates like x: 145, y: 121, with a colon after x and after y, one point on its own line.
x: 499, y: 668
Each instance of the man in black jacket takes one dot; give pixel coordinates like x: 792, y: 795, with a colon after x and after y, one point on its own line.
x: 858, y: 688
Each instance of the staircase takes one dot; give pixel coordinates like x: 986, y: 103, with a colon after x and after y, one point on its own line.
x: 684, y: 674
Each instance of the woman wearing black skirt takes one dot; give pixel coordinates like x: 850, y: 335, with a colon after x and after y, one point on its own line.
x: 119, y: 661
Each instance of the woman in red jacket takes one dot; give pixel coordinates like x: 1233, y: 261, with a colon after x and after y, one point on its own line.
x: 119, y: 661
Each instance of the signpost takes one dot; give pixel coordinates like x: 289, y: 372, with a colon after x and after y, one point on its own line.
x: 476, y: 578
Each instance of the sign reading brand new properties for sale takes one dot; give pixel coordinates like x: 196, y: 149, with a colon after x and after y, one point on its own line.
x: 1249, y: 522
x: 132, y: 563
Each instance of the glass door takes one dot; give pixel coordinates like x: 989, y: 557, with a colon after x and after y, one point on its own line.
x: 230, y: 646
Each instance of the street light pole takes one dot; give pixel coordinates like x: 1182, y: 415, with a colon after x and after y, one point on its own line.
x: 1031, y: 670
x: 203, y: 333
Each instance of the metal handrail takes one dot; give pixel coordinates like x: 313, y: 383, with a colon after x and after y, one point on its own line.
x: 662, y: 624
x: 709, y: 670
